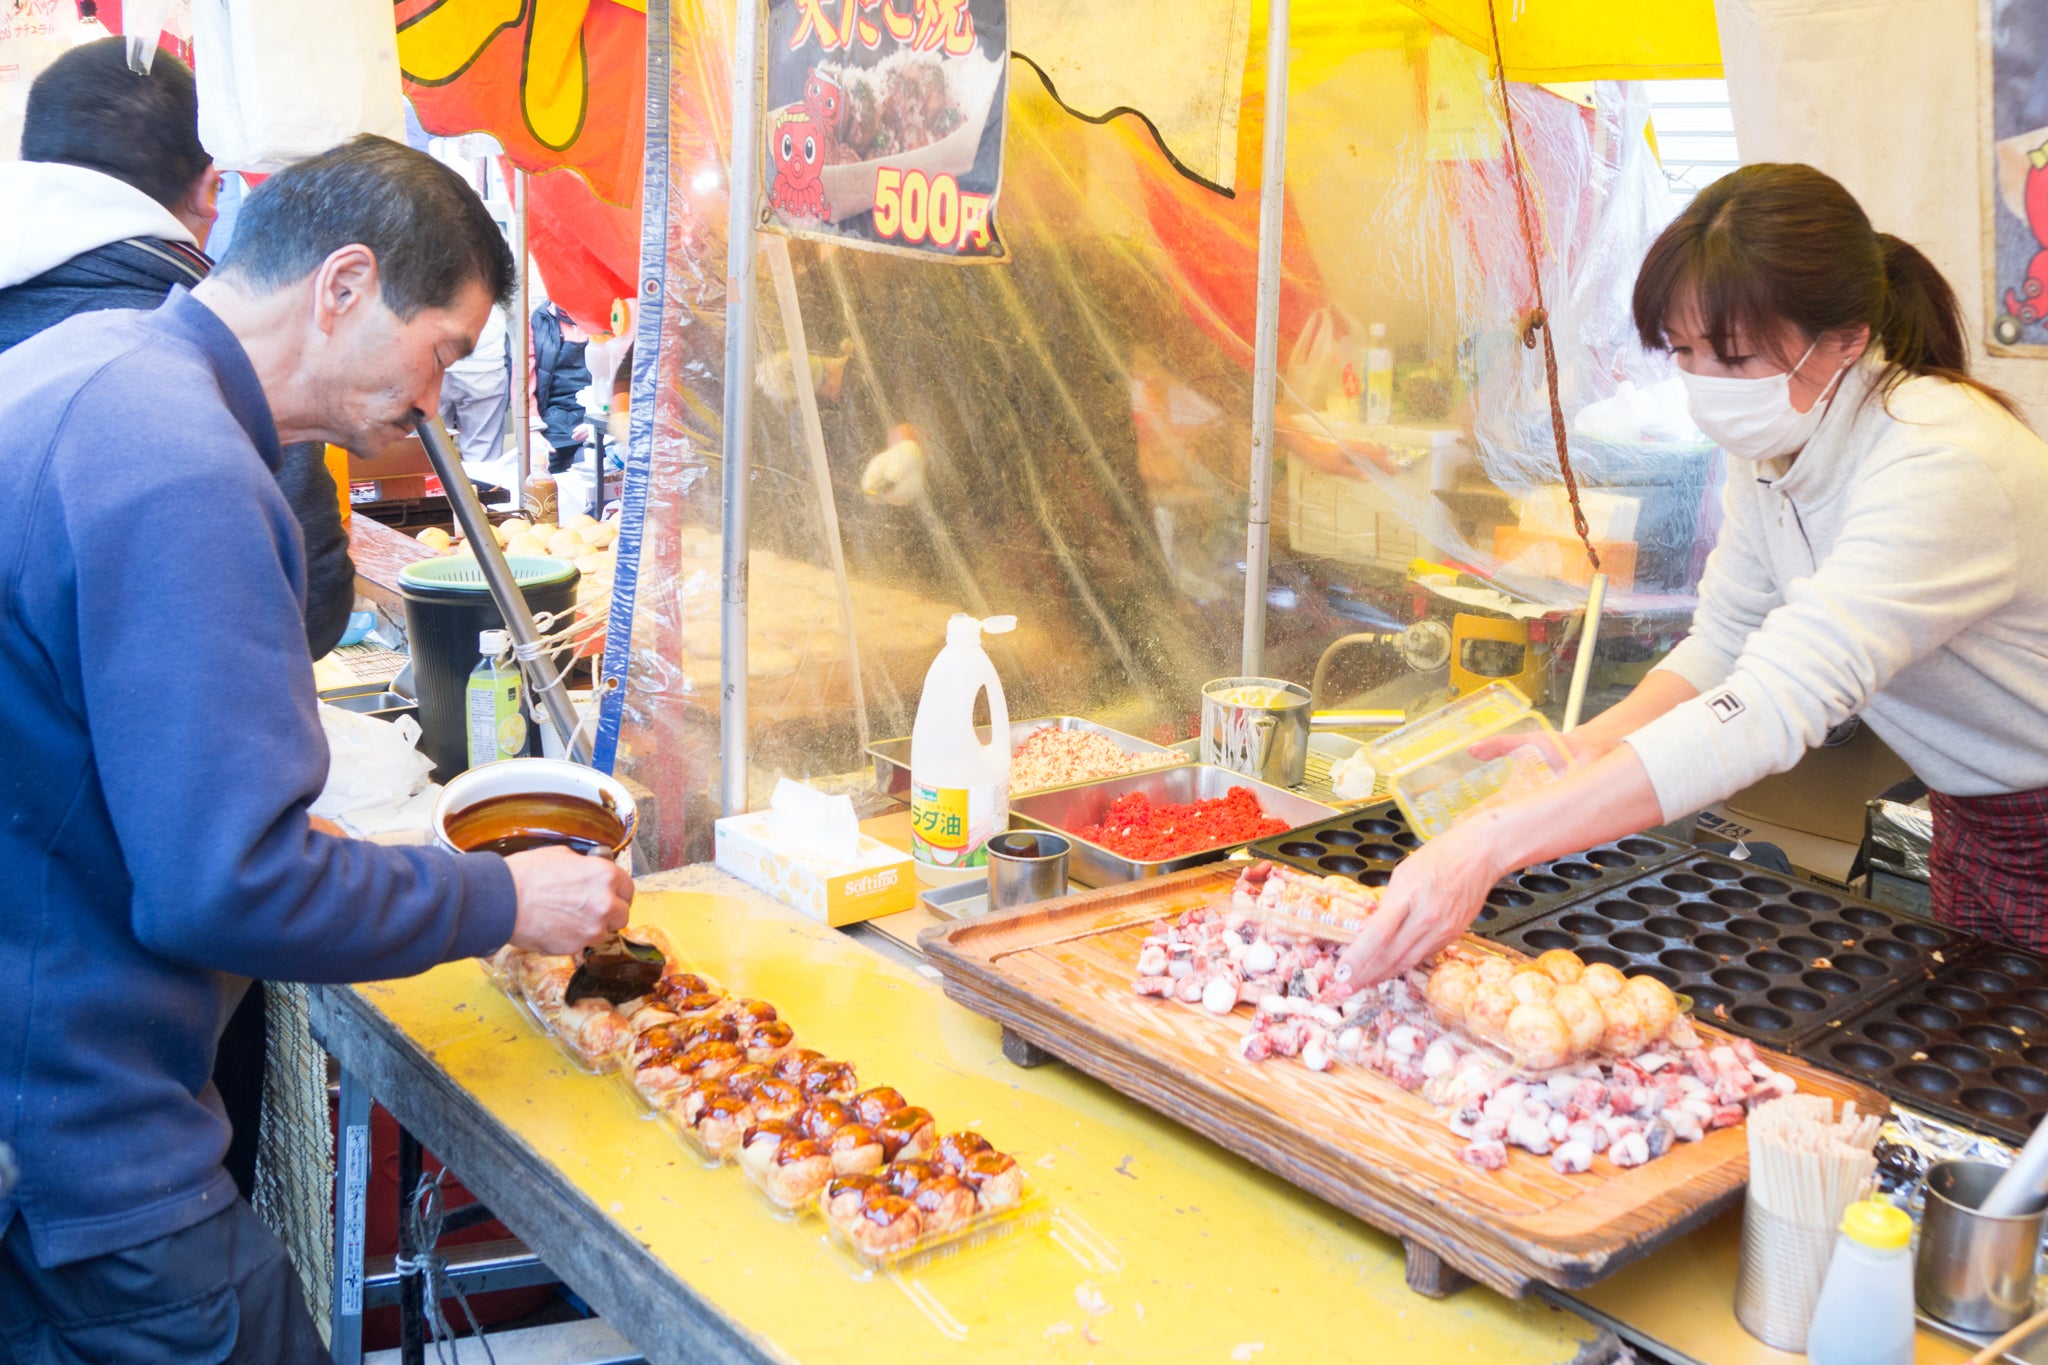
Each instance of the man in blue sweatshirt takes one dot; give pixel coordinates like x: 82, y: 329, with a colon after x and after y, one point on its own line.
x: 159, y: 747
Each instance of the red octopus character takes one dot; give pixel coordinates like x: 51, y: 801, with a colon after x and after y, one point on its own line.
x: 2029, y: 303
x: 825, y: 100
x: 799, y: 182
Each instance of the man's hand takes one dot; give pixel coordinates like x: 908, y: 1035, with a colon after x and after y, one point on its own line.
x: 1434, y: 894
x: 582, y: 433
x: 567, y: 901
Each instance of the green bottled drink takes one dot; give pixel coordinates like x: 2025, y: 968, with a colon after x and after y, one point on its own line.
x: 497, y: 721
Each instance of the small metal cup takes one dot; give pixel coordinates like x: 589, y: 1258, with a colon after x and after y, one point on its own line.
x: 1026, y: 866
x: 1973, y: 1271
x: 1266, y: 742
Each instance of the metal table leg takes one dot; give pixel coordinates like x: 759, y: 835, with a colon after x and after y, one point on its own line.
x: 412, y: 1326
x: 351, y: 1182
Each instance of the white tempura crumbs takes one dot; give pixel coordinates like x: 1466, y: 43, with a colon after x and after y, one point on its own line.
x: 1059, y: 758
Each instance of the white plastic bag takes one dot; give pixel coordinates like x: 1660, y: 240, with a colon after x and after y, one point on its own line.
x: 281, y: 80
x: 1317, y: 360
x: 147, y: 24
x: 373, y: 772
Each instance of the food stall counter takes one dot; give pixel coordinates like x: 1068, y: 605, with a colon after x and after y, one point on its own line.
x: 1154, y: 1243
x: 1678, y: 1302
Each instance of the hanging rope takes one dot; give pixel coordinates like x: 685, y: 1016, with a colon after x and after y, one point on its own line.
x: 557, y: 635
x: 423, y: 1220
x: 1536, y: 322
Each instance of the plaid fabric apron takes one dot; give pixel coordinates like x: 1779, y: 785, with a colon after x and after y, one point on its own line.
x: 1990, y: 865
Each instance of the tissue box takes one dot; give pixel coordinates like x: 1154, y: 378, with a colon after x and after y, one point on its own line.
x: 877, y: 882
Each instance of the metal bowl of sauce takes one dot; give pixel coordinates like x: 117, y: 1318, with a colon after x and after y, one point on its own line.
x: 519, y: 804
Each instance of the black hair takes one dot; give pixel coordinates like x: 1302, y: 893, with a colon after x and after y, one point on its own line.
x: 88, y: 109
x: 426, y: 226
x: 1784, y: 242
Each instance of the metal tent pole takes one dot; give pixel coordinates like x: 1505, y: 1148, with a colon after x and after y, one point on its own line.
x: 1266, y: 342
x: 1589, y: 637
x: 739, y: 404
x: 516, y: 337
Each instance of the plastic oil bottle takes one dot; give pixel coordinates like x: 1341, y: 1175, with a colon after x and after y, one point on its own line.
x: 1379, y: 377
x: 497, y: 720
x: 1865, y: 1312
x: 959, y: 781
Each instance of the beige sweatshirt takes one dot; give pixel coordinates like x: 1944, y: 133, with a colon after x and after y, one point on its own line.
x: 1897, y: 568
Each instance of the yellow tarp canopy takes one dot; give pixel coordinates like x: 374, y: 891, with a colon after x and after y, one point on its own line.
x: 1187, y: 79
x: 1584, y: 40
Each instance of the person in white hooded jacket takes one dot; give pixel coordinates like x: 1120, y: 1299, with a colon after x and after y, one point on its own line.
x: 110, y: 207
x: 1884, y: 554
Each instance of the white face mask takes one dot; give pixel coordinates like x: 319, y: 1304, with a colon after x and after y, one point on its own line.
x: 1753, y: 419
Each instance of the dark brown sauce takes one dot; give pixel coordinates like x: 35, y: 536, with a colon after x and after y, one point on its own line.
x: 513, y: 824
x: 615, y: 972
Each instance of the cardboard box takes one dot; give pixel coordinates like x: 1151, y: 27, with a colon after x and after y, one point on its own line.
x: 1358, y: 519
x: 1827, y: 792
x: 1828, y: 861
x: 878, y: 882
x: 1564, y: 557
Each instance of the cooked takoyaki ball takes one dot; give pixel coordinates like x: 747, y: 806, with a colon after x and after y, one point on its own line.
x: 996, y: 1179
x: 955, y: 1150
x: 907, y: 1133
x: 854, y: 1148
x: 872, y: 1106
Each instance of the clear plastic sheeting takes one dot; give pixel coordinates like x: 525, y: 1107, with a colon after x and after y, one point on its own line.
x: 1066, y: 437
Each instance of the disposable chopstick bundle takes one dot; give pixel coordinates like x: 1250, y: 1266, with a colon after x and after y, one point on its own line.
x: 1806, y: 1163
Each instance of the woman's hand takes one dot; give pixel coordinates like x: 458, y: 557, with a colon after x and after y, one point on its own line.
x: 1435, y: 894
x: 1437, y: 891
x: 1579, y: 747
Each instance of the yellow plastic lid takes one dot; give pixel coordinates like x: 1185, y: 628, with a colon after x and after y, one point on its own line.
x: 1877, y: 1224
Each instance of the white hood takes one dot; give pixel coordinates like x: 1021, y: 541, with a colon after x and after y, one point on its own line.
x: 50, y: 212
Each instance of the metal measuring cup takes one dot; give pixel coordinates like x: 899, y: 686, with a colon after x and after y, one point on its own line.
x: 1026, y: 866
x: 1972, y: 1270
x: 1268, y: 742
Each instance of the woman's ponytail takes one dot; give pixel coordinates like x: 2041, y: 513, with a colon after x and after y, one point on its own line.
x: 1921, y: 325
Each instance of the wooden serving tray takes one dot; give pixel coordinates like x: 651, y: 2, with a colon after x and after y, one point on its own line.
x: 1058, y: 976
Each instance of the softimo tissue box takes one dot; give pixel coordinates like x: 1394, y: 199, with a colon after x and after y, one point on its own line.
x: 807, y: 852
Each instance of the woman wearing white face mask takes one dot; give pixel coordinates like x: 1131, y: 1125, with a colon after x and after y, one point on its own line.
x: 1884, y: 554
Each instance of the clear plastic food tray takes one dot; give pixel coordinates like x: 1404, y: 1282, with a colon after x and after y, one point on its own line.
x: 1431, y: 772
x: 570, y: 1052
x: 1031, y: 1210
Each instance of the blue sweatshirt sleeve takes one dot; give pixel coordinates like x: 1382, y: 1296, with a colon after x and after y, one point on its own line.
x: 205, y: 730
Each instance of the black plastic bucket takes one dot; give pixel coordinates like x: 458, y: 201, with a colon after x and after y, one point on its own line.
x: 447, y: 605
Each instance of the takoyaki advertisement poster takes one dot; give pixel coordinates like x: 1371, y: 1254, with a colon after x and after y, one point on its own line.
x: 2016, y: 190
x: 884, y: 123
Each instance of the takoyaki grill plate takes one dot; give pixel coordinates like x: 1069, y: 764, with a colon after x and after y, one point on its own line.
x: 1970, y: 1046
x: 1366, y: 845
x: 1762, y: 955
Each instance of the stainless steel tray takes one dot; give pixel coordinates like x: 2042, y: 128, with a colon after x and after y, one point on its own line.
x: 1325, y: 751
x: 1090, y: 864
x: 892, y: 756
x: 962, y: 900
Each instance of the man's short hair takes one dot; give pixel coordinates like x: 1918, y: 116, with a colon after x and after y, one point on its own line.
x: 88, y: 109
x: 426, y: 226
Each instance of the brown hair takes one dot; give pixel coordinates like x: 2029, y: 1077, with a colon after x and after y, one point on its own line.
x: 1777, y: 243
